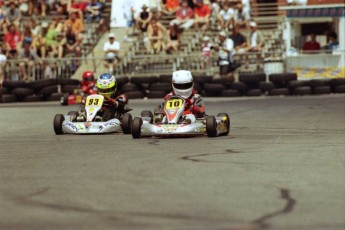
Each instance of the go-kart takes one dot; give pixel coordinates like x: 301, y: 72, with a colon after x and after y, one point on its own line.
x: 89, y: 120
x: 174, y: 123
x: 78, y: 96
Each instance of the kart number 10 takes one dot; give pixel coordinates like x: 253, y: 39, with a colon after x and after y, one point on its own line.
x: 173, y: 104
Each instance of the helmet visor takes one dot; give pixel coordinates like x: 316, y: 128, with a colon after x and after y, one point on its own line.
x: 89, y: 78
x: 183, y: 86
x: 106, y: 91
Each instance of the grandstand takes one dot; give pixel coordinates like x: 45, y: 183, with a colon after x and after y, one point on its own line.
x: 274, y: 20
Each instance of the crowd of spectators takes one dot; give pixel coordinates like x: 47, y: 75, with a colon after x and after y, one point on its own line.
x: 38, y: 30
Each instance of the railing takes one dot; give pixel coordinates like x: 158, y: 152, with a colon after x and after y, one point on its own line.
x: 305, y: 63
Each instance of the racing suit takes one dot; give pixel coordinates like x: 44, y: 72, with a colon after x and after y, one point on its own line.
x: 194, y: 106
x: 88, y: 87
x: 114, y: 106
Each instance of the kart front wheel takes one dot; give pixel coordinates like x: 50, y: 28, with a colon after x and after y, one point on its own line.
x: 211, y: 126
x: 127, y: 123
x: 222, y: 115
x: 58, y: 120
x: 136, y: 127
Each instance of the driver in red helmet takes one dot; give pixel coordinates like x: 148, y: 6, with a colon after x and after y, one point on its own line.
x: 88, y: 83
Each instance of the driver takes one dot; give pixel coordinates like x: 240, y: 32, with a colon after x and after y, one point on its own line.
x: 182, y: 84
x: 88, y: 82
x: 114, y: 104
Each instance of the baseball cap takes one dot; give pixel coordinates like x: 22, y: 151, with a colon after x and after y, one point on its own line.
x: 252, y: 24
x: 111, y: 35
x: 222, y: 33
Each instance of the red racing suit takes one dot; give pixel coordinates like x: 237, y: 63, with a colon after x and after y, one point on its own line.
x: 88, y: 87
x: 194, y: 104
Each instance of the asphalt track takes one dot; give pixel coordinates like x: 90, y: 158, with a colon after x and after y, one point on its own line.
x: 282, y: 167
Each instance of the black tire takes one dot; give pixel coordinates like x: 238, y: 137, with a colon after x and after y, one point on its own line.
x: 70, y: 89
x: 40, y: 84
x: 147, y: 113
x: 134, y: 94
x: 136, y: 127
x: 337, y: 81
x: 266, y: 86
x: 165, y: 78
x: 298, y: 83
x: 254, y: 93
x: 322, y: 90
x: 14, y: 84
x: 143, y: 80
x: 279, y: 91
x: 128, y: 87
x: 230, y: 93
x: 47, y: 91
x: 319, y: 82
x: 198, y: 87
x: 68, y: 81
x: 227, y: 123
x: 54, y: 97
x: 32, y: 98
x: 64, y: 99
x: 3, y: 91
x: 21, y: 93
x: 206, y: 93
x: 127, y: 123
x: 215, y: 87
x: 58, y: 119
x: 240, y: 86
x: 282, y: 77
x: 339, y: 89
x: 158, y: 86
x: 8, y: 98
x: 224, y: 80
x: 211, y: 126
x: 156, y: 94
x: 302, y: 90
x: 203, y: 79
x: 252, y: 77
x: 122, y: 80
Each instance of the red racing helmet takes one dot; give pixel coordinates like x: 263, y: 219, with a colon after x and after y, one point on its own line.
x: 88, y: 76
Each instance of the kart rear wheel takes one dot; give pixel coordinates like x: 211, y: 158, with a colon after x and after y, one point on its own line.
x: 73, y: 114
x: 136, y: 127
x: 227, y: 123
x: 211, y: 126
x: 127, y: 123
x: 58, y: 119
x: 147, y: 113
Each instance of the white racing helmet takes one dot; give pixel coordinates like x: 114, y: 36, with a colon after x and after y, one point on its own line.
x: 182, y: 83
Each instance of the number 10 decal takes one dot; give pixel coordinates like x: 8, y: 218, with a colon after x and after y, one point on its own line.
x: 174, y: 104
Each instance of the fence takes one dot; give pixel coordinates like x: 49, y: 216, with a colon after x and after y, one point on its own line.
x: 323, y: 64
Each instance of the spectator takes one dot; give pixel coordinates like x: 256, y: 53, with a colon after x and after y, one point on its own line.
x: 170, y: 7
x: 76, y: 23
x: 155, y: 34
x: 240, y: 41
x: 73, y: 42
x: 156, y: 8
x: 38, y: 6
x: 184, y: 16
x: 39, y: 41
x: 28, y: 57
x: 27, y: 34
x: 173, y: 42
x: 143, y: 19
x: 12, y: 40
x: 60, y: 7
x: 93, y: 11
x: 332, y: 41
x: 256, y: 43
x: 60, y: 46
x: 3, y: 21
x: 226, y: 17
x: 206, y: 48
x: 13, y: 14
x: 3, y: 61
x: 311, y: 45
x: 225, y: 50
x: 129, y: 12
x: 111, y: 49
x: 202, y: 15
x: 242, y: 16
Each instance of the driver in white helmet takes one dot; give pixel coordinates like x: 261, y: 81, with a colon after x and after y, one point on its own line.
x: 182, y: 84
